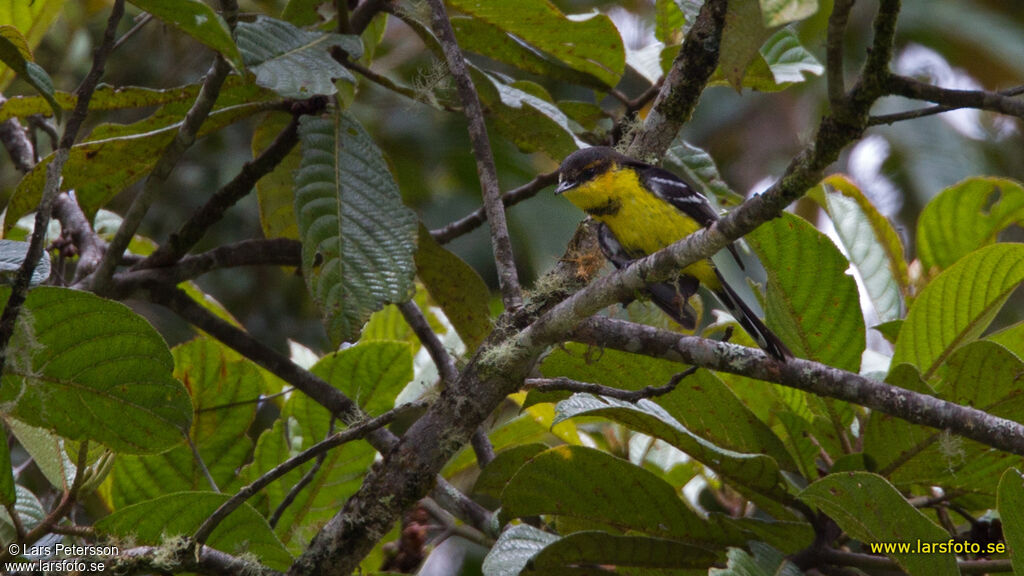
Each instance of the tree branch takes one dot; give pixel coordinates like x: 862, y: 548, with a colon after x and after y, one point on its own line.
x: 562, y: 384
x: 981, y: 99
x: 274, y: 252
x: 355, y: 432
x: 19, y: 291
x: 16, y: 142
x: 161, y: 560
x: 472, y: 221
x: 693, y: 66
x: 99, y: 279
x: 805, y: 375
x: 931, y: 110
x: 442, y: 359
x: 213, y: 210
x: 508, y: 278
x: 834, y: 52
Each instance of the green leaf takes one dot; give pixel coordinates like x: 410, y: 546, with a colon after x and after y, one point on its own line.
x: 90, y: 368
x: 742, y: 37
x: 1011, y: 513
x: 15, y: 53
x: 305, y: 423
x: 181, y: 513
x: 8, y: 496
x: 811, y: 303
x: 108, y: 97
x: 199, y: 21
x: 525, y: 429
x: 32, y: 19
x: 965, y: 217
x: 1011, y: 338
x: 101, y: 168
x: 303, y: 12
x: 871, y: 510
x: 224, y: 392
x: 496, y: 475
x: 591, y: 485
x: 589, y: 548
x: 869, y: 238
x: 293, y: 62
x: 590, y: 45
x: 755, y: 472
x: 530, y: 122
x: 668, y: 22
x: 787, y: 59
x: 358, y: 239
x: 29, y: 510
x: 47, y: 451
x: 699, y: 168
x: 779, y: 12
x: 957, y: 306
x: 514, y: 548
x: 475, y: 35
x: 12, y: 255
x: 457, y: 289
x: 274, y: 191
x: 373, y: 373
x: 701, y: 403
x: 765, y: 561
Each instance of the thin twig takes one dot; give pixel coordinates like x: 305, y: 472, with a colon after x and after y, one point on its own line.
x: 205, y: 560
x: 293, y: 493
x: 562, y: 384
x: 834, y: 53
x: 257, y: 400
x: 201, y: 464
x: 362, y: 15
x: 472, y: 221
x: 74, y: 223
x: 140, y: 23
x: 949, y: 99
x: 213, y: 210
x: 442, y: 359
x: 99, y: 280
x: 508, y: 277
x: 62, y: 509
x: 356, y: 432
x: 256, y: 252
x: 51, y: 188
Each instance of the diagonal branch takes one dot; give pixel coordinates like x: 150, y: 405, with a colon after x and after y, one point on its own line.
x: 19, y: 291
x: 213, y: 210
x: 508, y: 278
x: 806, y: 375
x: 931, y: 110
x: 684, y: 83
x: 356, y: 432
x: 471, y: 221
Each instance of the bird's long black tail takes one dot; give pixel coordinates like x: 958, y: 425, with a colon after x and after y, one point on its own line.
x: 764, y: 337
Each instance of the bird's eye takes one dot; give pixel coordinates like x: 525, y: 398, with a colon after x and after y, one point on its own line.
x: 589, y: 173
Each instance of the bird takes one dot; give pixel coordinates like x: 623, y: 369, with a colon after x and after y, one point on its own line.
x: 641, y: 209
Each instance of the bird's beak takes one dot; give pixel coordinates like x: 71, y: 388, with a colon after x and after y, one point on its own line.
x: 565, y: 185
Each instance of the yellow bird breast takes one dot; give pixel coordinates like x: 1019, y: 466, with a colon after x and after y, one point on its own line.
x: 642, y: 222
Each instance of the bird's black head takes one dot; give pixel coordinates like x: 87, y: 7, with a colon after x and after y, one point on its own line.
x: 583, y: 165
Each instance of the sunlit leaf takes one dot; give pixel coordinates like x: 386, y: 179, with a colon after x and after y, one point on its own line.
x: 1011, y: 513
x: 15, y: 53
x: 224, y: 392
x: 274, y: 192
x: 32, y: 19
x: 779, y: 12
x: 965, y: 217
x: 872, y: 243
x: 90, y: 368
x: 957, y: 306
x: 811, y: 303
x: 590, y: 44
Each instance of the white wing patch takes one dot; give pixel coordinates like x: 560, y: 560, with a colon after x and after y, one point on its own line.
x: 684, y: 192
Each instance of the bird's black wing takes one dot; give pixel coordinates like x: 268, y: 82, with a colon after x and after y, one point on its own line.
x: 673, y: 298
x: 683, y: 197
